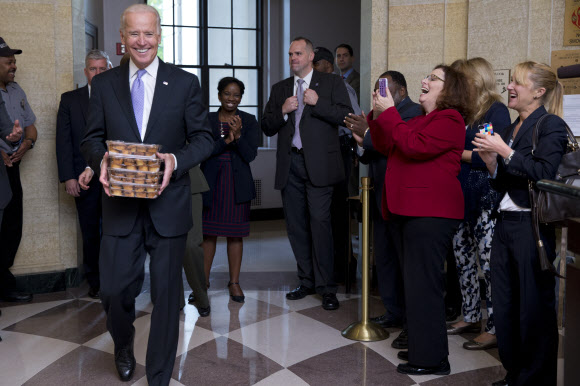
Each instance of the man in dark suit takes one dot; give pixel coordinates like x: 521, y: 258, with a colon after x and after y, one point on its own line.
x: 193, y: 259
x: 305, y: 111
x: 344, y: 60
x: 71, y: 122
x: 149, y: 101
x: 389, y: 274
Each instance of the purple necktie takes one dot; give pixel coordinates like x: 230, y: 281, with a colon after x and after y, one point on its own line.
x: 138, y: 98
x: 296, y: 140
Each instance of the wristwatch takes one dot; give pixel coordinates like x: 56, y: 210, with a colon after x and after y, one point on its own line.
x: 509, y: 157
x: 31, y: 142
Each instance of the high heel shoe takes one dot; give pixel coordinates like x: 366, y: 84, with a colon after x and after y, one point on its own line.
x: 239, y: 299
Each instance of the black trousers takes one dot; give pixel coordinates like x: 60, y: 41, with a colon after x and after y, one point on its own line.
x: 11, y: 230
x: 89, y: 214
x: 339, y: 213
x: 524, y: 304
x: 389, y: 272
x: 122, y: 271
x: 423, y: 243
x: 308, y: 222
x: 193, y: 258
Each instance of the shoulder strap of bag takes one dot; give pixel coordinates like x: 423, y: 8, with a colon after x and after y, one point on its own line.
x: 535, y: 131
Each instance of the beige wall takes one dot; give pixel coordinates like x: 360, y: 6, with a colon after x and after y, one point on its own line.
x: 43, y: 29
x: 416, y: 35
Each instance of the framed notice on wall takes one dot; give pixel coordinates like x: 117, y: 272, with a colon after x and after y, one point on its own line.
x: 502, y: 79
x: 572, y: 23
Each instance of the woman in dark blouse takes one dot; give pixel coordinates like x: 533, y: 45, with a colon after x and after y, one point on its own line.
x: 523, y: 294
x: 473, y: 238
x: 227, y: 204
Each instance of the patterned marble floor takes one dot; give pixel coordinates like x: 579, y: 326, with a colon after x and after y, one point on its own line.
x: 61, y: 338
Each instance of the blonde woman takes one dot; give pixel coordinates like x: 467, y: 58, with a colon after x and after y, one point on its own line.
x: 523, y: 294
x: 473, y: 238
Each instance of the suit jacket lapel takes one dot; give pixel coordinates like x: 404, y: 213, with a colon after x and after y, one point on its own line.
x: 123, y: 93
x: 313, y: 86
x: 84, y: 102
x: 162, y: 94
x: 288, y: 92
x: 528, y: 125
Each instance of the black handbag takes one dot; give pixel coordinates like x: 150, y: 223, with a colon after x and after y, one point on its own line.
x: 551, y: 207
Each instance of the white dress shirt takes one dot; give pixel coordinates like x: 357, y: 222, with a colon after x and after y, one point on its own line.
x: 149, y: 80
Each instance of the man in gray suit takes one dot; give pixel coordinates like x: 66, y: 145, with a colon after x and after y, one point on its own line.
x: 193, y: 258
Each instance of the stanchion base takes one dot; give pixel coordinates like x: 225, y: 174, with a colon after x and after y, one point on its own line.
x: 365, y: 332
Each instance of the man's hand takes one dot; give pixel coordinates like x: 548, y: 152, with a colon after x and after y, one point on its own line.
x: 310, y: 97
x: 104, y: 177
x: 16, y: 132
x: 357, y: 124
x: 18, y: 154
x: 72, y: 187
x: 85, y: 178
x: 6, y: 159
x: 169, y: 166
x: 291, y: 104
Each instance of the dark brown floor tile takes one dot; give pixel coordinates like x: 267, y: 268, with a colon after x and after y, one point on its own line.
x: 223, y: 362
x: 76, y: 321
x: 227, y: 315
x: 480, y: 377
x: 83, y: 366
x: 348, y: 313
x: 355, y: 364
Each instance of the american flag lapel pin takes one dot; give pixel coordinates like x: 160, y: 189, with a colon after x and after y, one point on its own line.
x: 165, y: 83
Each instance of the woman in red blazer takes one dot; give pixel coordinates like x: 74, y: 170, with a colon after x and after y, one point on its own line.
x: 423, y: 198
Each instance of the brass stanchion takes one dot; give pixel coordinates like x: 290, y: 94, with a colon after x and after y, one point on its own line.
x: 365, y: 330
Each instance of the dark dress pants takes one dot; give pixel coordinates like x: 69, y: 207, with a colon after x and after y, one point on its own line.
x: 308, y: 222
x: 89, y: 214
x: 424, y: 243
x: 11, y: 230
x: 340, y: 219
x: 193, y: 259
x: 122, y: 271
x: 389, y: 273
x: 524, y: 304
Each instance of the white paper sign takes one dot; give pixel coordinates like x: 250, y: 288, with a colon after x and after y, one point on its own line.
x: 572, y: 113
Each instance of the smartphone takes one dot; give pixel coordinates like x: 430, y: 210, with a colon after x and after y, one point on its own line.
x: 486, y: 128
x: 383, y: 84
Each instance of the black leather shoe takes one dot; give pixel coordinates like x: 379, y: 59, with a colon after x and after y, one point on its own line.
x: 502, y: 382
x: 16, y: 297
x: 442, y: 369
x: 474, y: 327
x: 402, y: 341
x: 330, y: 302
x: 403, y: 355
x: 385, y: 322
x: 204, y: 311
x: 94, y: 293
x: 299, y: 293
x: 191, y: 298
x: 125, y: 363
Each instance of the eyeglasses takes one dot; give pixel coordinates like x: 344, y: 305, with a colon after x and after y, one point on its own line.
x: 433, y: 78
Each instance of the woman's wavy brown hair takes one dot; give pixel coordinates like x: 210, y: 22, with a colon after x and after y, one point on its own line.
x: 457, y: 93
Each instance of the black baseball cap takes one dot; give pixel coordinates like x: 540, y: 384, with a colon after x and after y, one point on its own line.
x: 7, y: 51
x: 323, y: 53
